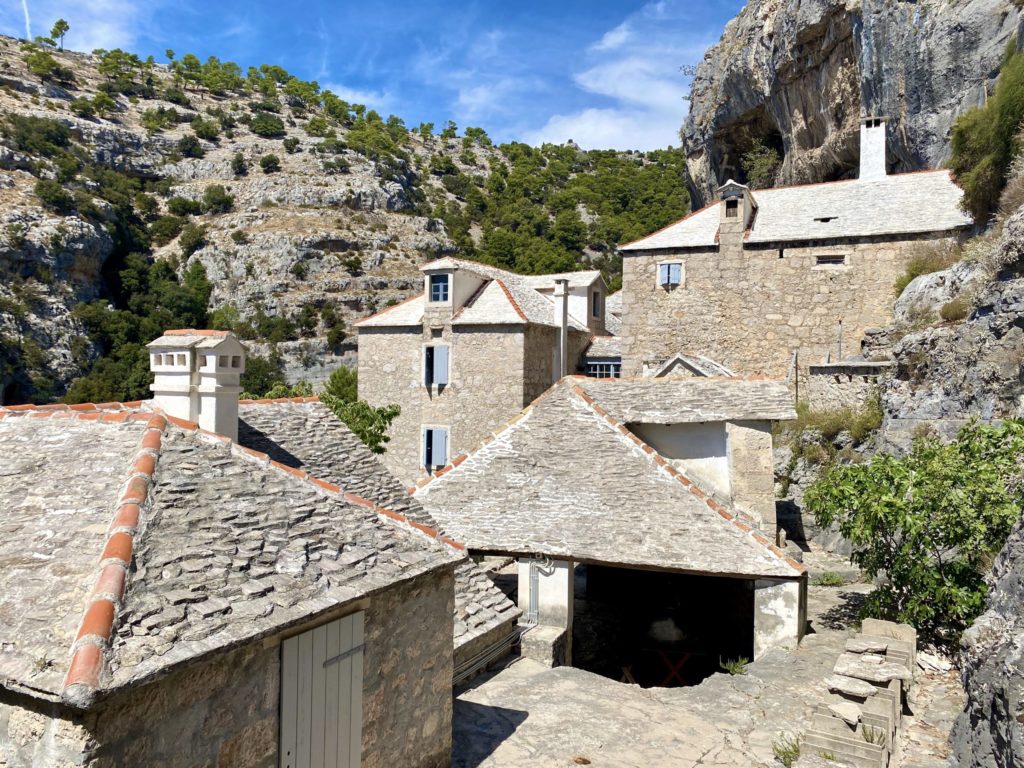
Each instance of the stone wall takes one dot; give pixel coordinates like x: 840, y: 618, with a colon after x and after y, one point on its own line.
x: 495, y: 371
x: 751, y: 471
x: 836, y: 386
x: 750, y: 309
x: 225, y: 711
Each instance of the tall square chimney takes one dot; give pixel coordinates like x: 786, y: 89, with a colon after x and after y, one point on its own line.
x: 872, y: 149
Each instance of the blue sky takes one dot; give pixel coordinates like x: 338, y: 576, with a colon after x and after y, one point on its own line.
x: 605, y: 74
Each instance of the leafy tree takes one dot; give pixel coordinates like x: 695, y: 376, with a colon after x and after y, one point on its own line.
x: 760, y: 163
x: 343, y: 385
x: 929, y: 521
x: 270, y: 163
x: 165, y: 229
x: 146, y: 205
x: 169, y: 53
x: 426, y: 130
x: 290, y: 145
x: 41, y: 64
x: 239, y: 166
x: 451, y: 130
x: 60, y: 28
x: 985, y: 140
x: 103, y: 103
x: 267, y: 125
x: 217, y: 200
x: 192, y: 238
x: 82, y: 107
x: 261, y: 374
x: 370, y: 424
x: 182, y: 206
x: 206, y: 129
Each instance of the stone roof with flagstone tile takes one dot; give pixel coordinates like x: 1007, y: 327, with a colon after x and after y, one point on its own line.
x: 135, y: 543
x: 565, y: 479
x: 900, y: 204
x: 690, y: 399
x: 305, y: 434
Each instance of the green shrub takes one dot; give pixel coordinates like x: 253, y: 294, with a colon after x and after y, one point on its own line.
x: 176, y: 96
x: 82, y: 107
x: 300, y: 270
x: 830, y: 579
x: 734, y: 666
x: 154, y: 120
x: 189, y: 146
x: 261, y: 374
x: 984, y: 140
x: 54, y: 196
x: 217, y: 200
x: 926, y: 258
x: 370, y: 424
x: 182, y: 206
x: 956, y: 309
x: 239, y: 236
x: 146, y: 205
x: 266, y: 125
x: 239, y: 166
x: 270, y: 163
x: 192, y: 238
x: 165, y: 229
x: 929, y: 521
x: 205, y: 129
x: 290, y: 145
x: 786, y: 749
x: 760, y: 163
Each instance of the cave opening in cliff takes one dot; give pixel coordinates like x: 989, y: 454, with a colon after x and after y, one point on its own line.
x: 751, y: 150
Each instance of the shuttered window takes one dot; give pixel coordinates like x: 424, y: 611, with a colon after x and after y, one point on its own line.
x: 670, y: 273
x: 435, y: 365
x: 435, y: 447
x: 322, y: 696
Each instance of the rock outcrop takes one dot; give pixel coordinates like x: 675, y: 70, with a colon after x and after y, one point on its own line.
x: 799, y: 74
x: 990, y: 732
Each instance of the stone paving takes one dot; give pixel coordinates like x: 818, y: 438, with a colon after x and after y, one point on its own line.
x: 526, y: 714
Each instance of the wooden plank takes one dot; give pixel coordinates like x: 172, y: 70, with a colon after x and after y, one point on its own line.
x: 319, y: 689
x: 304, y: 709
x: 344, y: 674
x: 289, y: 699
x: 331, y: 726
x: 355, y: 722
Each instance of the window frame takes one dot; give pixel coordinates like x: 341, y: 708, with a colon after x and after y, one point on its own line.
x: 830, y: 260
x: 435, y: 281
x: 595, y: 304
x: 732, y: 208
x: 427, y: 459
x: 431, y: 362
x: 604, y: 369
x: 667, y: 283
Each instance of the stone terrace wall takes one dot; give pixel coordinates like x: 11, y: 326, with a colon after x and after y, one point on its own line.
x: 841, y: 385
x: 750, y: 309
x: 225, y: 712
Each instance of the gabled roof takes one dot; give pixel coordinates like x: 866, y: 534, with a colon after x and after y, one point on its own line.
x: 902, y: 204
x: 583, y: 279
x: 303, y: 433
x: 684, y: 400
x: 191, y: 338
x: 514, y: 300
x: 697, y: 364
x: 565, y: 479
x: 135, y: 543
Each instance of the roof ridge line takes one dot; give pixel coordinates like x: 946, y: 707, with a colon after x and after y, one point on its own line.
x: 732, y: 515
x: 489, y: 438
x: 96, y: 629
x: 511, y: 298
x: 322, y: 486
x: 281, y: 400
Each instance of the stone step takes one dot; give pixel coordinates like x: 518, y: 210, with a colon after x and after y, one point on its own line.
x: 874, y: 713
x: 857, y: 752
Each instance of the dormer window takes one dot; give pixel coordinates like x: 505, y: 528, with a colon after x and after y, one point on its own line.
x: 439, y: 288
x: 732, y: 208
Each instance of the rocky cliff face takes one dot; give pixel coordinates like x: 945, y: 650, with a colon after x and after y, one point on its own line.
x: 799, y: 74
x: 990, y: 732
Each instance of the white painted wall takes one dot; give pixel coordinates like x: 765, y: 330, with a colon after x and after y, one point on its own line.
x: 872, y: 151
x: 780, y: 613
x: 555, y: 591
x: 699, y: 450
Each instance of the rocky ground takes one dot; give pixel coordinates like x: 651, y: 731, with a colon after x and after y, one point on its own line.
x: 526, y: 714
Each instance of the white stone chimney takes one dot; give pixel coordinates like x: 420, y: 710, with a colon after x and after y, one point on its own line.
x: 872, y: 149
x: 196, y: 377
x: 561, y: 297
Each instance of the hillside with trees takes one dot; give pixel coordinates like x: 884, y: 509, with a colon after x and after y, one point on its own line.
x: 139, y: 195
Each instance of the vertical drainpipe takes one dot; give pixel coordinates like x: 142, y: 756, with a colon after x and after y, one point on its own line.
x: 561, y: 296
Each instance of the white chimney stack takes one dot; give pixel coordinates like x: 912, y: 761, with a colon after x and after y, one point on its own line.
x: 872, y: 149
x: 561, y: 297
x: 197, y: 377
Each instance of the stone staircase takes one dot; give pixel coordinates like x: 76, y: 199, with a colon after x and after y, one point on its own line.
x: 856, y: 724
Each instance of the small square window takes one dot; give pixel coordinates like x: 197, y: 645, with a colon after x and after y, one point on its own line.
x: 732, y: 209
x: 670, y: 274
x: 439, y: 288
x: 222, y: 361
x: 236, y: 361
x: 181, y: 360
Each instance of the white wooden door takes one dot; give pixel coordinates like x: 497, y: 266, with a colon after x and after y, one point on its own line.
x: 322, y: 696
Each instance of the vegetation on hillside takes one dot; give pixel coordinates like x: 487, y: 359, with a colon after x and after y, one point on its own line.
x: 986, y: 139
x: 930, y: 522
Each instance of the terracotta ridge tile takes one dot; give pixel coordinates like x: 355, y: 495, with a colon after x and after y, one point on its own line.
x: 99, y: 620
x: 512, y: 301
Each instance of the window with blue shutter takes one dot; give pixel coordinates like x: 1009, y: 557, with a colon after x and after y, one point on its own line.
x: 670, y: 274
x: 435, y: 447
x: 435, y: 365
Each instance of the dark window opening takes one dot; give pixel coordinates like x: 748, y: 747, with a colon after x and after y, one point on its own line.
x: 604, y: 369
x: 596, y: 310
x: 826, y: 219
x: 829, y: 261
x: 732, y: 208
x: 435, y: 447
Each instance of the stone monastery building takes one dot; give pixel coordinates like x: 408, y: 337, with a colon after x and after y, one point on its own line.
x: 472, y: 350
x: 758, y: 277
x: 252, y: 596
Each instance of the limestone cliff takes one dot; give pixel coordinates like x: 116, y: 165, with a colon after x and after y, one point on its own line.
x: 799, y: 74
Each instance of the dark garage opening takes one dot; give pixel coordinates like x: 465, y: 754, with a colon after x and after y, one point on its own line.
x: 659, y: 629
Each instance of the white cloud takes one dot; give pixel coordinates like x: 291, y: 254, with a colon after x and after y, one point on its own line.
x: 610, y: 128
x: 382, y: 101
x: 614, y: 38
x: 94, y: 24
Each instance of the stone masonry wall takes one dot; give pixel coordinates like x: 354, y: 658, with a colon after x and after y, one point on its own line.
x: 539, y: 362
x: 750, y: 309
x: 751, y: 471
x: 225, y: 712
x: 834, y: 387
x: 407, y: 675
